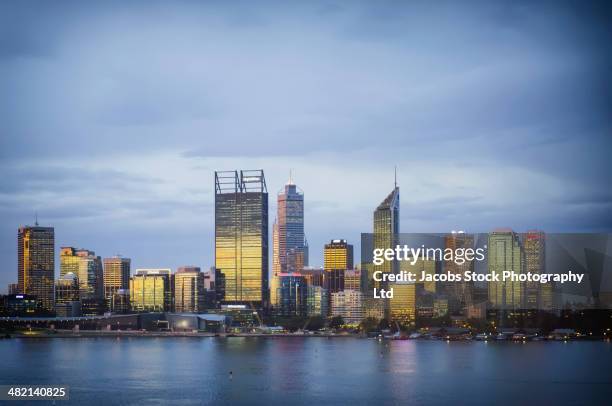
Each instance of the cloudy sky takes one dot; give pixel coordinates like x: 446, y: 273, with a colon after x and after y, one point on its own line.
x: 114, y: 116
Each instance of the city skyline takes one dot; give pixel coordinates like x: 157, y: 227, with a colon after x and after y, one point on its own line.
x: 111, y: 127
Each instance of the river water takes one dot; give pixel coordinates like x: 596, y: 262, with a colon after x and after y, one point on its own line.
x: 310, y: 371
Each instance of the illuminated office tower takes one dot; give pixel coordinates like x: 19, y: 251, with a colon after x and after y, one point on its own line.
x: 241, y: 237
x: 317, y: 301
x: 88, y: 270
x: 288, y: 234
x: 67, y: 296
x: 189, y: 291
x: 459, y: 294
x: 116, y: 277
x: 505, y: 254
x: 349, y: 305
x: 36, y: 264
x: 402, y: 307
x: 537, y: 295
x: 150, y: 290
x: 385, y: 235
x: 292, y: 295
x: 290, y: 217
x: 337, y: 259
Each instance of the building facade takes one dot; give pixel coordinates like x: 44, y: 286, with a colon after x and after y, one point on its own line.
x: 189, y: 290
x: 537, y: 295
x: 505, y: 253
x: 36, y: 264
x: 317, y: 301
x: 116, y: 277
x: 88, y: 269
x: 241, y: 237
x: 337, y: 259
x: 292, y: 294
x: 67, y: 296
x: 150, y: 290
x: 349, y: 305
x: 402, y: 307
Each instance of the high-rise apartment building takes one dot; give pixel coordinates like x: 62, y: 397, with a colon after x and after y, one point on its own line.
x: 36, y: 264
x: 116, y: 277
x: 189, y: 290
x: 241, y: 237
x: 349, y: 305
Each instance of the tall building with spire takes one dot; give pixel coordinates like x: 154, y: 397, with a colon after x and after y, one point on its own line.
x: 36, y: 263
x: 241, y: 237
x: 288, y: 242
x: 386, y: 228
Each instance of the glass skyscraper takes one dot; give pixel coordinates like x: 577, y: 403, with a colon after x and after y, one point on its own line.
x: 288, y: 253
x: 116, y: 277
x: 189, y: 292
x: 150, y: 290
x: 292, y: 295
x: 88, y: 269
x: 337, y: 259
x: 67, y: 296
x: 241, y: 236
x: 36, y: 264
x: 505, y: 254
x: 386, y: 235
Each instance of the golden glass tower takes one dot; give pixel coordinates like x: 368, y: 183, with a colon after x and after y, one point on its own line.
x: 241, y: 237
x: 337, y: 259
x: 88, y: 269
x: 150, y: 290
x: 116, y: 276
x: 36, y: 264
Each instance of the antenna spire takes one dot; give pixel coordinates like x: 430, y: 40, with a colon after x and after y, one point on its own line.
x: 290, y: 176
x: 36, y: 219
x: 395, y: 176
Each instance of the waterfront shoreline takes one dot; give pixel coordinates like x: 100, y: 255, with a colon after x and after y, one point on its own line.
x: 142, y: 334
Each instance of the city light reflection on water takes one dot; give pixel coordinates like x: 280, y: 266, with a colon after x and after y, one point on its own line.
x: 306, y: 371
